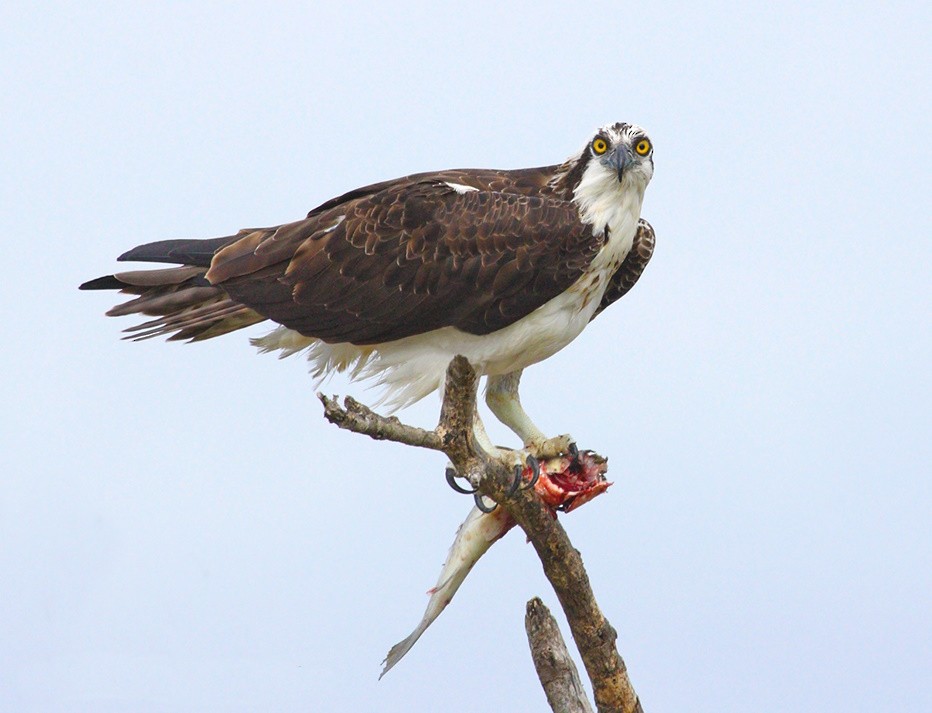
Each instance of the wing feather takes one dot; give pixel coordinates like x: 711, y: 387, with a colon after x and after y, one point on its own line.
x: 375, y: 264
x: 411, y: 259
x: 631, y: 268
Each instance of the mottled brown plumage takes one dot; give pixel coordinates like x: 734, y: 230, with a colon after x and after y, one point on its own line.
x: 389, y: 282
x: 631, y: 267
x: 383, y: 262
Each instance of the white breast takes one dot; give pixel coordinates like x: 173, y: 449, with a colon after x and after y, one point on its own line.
x: 413, y: 367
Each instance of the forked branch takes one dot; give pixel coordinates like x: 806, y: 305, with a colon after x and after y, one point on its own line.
x: 562, y: 564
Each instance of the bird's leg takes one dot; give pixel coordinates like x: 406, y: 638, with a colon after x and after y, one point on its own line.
x: 493, y: 451
x: 482, y: 437
x: 485, y: 443
x: 501, y: 395
x: 519, y: 459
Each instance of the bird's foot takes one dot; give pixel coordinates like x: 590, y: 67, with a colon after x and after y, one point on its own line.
x: 556, y: 447
x: 526, y: 473
x: 452, y: 475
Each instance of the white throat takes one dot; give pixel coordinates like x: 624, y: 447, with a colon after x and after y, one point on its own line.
x: 604, y: 201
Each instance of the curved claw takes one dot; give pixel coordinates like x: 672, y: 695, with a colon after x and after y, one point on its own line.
x: 574, y: 451
x: 451, y: 481
x: 535, y: 472
x: 513, y: 488
x: 480, y: 503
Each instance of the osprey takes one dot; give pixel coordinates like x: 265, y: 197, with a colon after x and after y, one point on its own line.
x: 390, y: 281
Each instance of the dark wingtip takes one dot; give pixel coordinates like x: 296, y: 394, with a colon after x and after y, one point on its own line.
x: 152, y: 252
x: 108, y: 282
x: 179, y: 252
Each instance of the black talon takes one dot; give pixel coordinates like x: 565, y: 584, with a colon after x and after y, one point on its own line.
x: 480, y: 503
x: 574, y: 451
x: 535, y: 471
x: 513, y: 488
x: 451, y: 481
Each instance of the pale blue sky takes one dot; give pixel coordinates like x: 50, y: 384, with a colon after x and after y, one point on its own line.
x: 179, y: 528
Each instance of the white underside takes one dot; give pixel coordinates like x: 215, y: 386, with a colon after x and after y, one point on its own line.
x: 413, y: 367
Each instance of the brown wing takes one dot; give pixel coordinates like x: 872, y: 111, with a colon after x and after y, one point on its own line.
x: 631, y: 267
x: 524, y: 181
x: 407, y: 260
x: 189, y: 307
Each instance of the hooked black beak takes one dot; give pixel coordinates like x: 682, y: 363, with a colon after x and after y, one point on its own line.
x: 620, y: 160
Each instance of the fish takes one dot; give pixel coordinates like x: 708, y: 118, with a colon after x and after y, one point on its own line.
x: 565, y: 483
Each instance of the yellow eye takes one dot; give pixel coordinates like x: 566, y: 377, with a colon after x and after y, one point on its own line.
x: 600, y: 146
x: 643, y: 147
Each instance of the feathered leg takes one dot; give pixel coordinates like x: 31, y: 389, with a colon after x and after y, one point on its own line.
x: 501, y: 395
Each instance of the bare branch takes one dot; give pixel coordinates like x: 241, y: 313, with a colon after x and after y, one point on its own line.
x: 356, y: 417
x: 555, y: 667
x: 563, y: 566
x: 457, y: 417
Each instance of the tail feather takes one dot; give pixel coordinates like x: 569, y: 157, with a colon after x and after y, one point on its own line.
x: 186, y: 306
x: 159, y: 278
x: 187, y: 318
x: 241, y: 318
x: 214, y: 320
x: 156, y: 301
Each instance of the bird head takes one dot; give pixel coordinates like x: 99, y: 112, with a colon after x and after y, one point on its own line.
x: 608, y: 177
x: 618, y: 159
x: 620, y: 153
